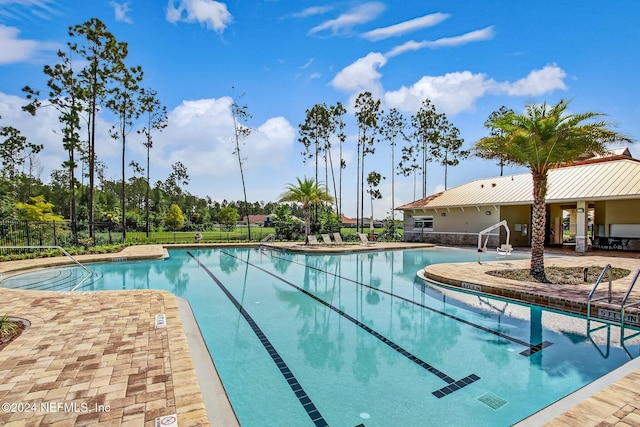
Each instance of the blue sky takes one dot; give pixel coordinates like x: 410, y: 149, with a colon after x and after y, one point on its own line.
x: 468, y: 57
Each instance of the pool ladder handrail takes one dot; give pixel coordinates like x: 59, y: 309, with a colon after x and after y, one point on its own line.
x: 624, y: 304
x: 595, y: 286
x: 268, y: 237
x: 61, y: 249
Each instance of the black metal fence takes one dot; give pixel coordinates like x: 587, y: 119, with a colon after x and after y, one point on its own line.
x: 56, y: 233
x: 69, y: 235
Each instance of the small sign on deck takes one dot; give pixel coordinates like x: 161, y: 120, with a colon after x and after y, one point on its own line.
x: 161, y: 321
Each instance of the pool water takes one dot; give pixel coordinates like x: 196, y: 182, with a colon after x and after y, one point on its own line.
x: 357, y: 339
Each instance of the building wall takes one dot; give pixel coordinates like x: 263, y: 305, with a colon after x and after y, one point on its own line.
x: 461, y: 227
x: 519, y: 221
x: 453, y: 227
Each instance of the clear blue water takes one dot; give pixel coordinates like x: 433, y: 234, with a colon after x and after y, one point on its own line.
x: 358, y: 339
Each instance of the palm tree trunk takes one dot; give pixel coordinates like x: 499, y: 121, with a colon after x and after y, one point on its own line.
x: 538, y: 225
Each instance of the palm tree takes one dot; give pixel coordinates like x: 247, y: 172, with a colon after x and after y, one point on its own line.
x: 308, y: 193
x: 542, y: 138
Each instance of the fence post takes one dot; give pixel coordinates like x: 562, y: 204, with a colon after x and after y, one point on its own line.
x: 28, y: 234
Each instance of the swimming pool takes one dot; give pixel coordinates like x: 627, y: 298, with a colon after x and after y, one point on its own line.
x: 357, y: 339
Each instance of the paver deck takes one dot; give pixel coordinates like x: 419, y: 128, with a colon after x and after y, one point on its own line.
x: 95, y: 351
x: 96, y: 358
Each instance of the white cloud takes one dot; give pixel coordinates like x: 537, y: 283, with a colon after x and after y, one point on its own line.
x: 121, y: 10
x: 212, y: 14
x: 345, y: 22
x: 451, y: 93
x: 470, y: 37
x: 311, y: 11
x: 458, y: 91
x: 16, y: 50
x: 200, y: 135
x: 538, y: 82
x: 361, y: 75
x: 405, y: 27
x: 307, y: 64
x: 26, y: 9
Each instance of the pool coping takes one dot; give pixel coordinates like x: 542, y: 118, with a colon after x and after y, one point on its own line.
x: 216, y: 400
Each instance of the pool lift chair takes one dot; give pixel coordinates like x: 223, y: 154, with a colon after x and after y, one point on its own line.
x: 504, y: 249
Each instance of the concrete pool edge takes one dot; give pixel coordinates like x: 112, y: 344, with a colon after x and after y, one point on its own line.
x: 216, y: 400
x: 571, y: 299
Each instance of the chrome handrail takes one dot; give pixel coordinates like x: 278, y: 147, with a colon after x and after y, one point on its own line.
x: 595, y: 286
x: 268, y: 237
x: 61, y: 249
x: 626, y: 296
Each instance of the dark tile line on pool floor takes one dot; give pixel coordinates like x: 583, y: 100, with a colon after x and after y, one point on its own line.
x: 453, y: 384
x: 303, y: 397
x: 530, y: 350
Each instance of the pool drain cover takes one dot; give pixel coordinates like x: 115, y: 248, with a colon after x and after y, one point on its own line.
x: 492, y: 401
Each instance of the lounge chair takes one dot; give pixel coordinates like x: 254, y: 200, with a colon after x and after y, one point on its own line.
x: 364, y: 240
x: 338, y: 238
x: 327, y: 239
x: 313, y: 240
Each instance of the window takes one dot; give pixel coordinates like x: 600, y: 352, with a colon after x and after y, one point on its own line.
x: 423, y: 222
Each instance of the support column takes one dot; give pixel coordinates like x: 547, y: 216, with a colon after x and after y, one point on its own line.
x: 581, y: 227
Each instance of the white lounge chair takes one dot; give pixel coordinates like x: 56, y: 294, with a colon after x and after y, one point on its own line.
x: 364, y: 240
x: 338, y: 238
x: 313, y: 240
x: 327, y: 239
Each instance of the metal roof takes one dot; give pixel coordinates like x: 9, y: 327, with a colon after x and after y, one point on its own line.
x: 614, y: 178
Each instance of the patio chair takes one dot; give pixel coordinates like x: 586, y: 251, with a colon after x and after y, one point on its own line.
x: 327, y: 239
x: 364, y: 240
x: 313, y: 240
x: 338, y: 238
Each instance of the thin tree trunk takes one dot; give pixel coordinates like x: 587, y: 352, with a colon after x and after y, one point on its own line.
x: 393, y: 185
x: 340, y: 187
x: 358, y: 187
x: 147, y: 196
x: 335, y: 190
x: 92, y: 165
x: 124, y: 208
x: 538, y: 226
